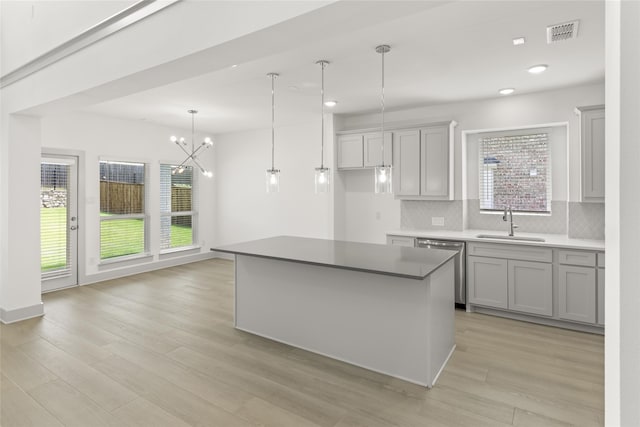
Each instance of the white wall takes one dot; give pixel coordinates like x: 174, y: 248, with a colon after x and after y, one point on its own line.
x: 245, y: 211
x: 499, y: 113
x: 622, y: 229
x: 99, y: 137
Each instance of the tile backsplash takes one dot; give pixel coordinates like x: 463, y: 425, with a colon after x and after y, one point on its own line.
x: 586, y: 220
x: 556, y: 223
x: 417, y: 214
x: 578, y: 220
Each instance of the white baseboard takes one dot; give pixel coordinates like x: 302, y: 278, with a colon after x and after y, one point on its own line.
x: 146, y: 267
x: 23, y: 313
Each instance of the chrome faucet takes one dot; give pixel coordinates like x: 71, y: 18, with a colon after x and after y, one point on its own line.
x: 512, y: 226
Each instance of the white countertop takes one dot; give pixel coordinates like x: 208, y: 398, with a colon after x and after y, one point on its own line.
x: 551, y: 240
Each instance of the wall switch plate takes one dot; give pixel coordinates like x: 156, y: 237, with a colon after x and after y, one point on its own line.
x: 437, y: 220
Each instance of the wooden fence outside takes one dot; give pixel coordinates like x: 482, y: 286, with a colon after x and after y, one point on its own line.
x: 123, y: 198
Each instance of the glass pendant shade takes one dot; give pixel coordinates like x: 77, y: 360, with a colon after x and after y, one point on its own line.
x: 383, y: 177
x: 322, y: 180
x: 273, y: 180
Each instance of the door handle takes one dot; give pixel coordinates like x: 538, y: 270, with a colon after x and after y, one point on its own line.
x: 73, y: 227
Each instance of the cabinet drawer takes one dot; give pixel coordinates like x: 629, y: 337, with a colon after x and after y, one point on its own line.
x: 401, y: 241
x: 519, y: 252
x: 577, y: 258
x: 601, y: 259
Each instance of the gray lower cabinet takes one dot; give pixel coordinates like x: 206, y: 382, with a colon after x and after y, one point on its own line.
x: 577, y: 293
x: 523, y: 286
x: 487, y: 281
x: 600, y: 286
x: 530, y: 287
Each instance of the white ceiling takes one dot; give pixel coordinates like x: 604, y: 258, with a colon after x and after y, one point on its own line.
x: 451, y: 52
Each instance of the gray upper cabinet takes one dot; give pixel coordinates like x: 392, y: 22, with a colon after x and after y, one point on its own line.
x: 350, y: 151
x: 436, y: 163
x: 592, y: 139
x: 423, y: 162
x: 373, y: 149
x: 406, y: 152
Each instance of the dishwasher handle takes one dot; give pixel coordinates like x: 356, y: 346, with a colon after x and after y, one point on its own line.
x: 439, y: 244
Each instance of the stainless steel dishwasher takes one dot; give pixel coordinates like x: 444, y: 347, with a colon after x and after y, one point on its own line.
x: 460, y: 261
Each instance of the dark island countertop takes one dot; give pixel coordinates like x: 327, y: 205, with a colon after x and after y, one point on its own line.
x: 406, y: 262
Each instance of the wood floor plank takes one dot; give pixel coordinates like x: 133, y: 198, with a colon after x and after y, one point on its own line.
x: 159, y: 348
x: 142, y: 413
x: 95, y: 385
x: 17, y: 408
x: 70, y: 406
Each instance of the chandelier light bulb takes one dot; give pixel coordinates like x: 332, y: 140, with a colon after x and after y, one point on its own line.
x: 322, y: 178
x: 173, y: 138
x: 182, y: 140
x: 273, y: 179
x: 208, y: 141
x: 383, y: 176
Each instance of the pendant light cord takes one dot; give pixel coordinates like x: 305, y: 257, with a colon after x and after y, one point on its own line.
x: 193, y: 118
x: 382, y: 102
x: 322, y: 64
x: 273, y: 96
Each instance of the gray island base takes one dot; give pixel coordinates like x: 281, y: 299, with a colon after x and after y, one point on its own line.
x: 385, y: 308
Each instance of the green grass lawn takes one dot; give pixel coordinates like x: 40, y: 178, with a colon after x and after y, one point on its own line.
x: 120, y: 237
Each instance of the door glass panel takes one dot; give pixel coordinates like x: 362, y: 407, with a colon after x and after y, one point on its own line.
x: 54, y: 202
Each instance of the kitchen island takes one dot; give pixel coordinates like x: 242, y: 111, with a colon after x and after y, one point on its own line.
x: 385, y: 308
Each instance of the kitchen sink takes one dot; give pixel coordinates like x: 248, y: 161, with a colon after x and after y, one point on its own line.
x: 502, y: 236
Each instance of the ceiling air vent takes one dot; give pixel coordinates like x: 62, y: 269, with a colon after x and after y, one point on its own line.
x: 564, y: 31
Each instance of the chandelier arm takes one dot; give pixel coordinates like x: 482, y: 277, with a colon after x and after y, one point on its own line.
x: 185, y: 150
x: 202, y: 169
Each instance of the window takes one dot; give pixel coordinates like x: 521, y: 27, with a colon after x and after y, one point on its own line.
x: 177, y: 207
x: 122, y: 209
x: 515, y: 171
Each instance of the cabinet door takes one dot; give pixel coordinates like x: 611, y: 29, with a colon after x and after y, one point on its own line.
x: 435, y: 162
x: 373, y: 149
x: 530, y: 287
x: 577, y: 293
x: 593, y: 152
x: 406, y: 170
x: 350, y: 151
x: 487, y: 281
x: 600, y: 286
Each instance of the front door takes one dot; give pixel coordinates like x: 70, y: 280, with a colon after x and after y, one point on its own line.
x: 58, y: 221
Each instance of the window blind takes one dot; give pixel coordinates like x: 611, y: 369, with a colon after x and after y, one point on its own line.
x: 177, y: 207
x: 122, y: 209
x: 515, y: 171
x: 54, y: 238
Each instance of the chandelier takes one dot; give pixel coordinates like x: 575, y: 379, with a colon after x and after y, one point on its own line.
x: 192, y: 157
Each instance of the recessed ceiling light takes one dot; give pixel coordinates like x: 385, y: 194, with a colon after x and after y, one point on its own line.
x: 234, y: 65
x: 518, y: 41
x: 506, y: 91
x: 330, y: 103
x: 537, y: 69
x: 294, y: 88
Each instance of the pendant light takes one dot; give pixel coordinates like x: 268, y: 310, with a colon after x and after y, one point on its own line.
x: 383, y: 172
x: 192, y: 157
x: 273, y: 174
x: 322, y: 173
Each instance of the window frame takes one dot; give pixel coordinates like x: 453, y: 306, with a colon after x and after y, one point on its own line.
x: 193, y: 212
x: 546, y: 129
x: 144, y: 216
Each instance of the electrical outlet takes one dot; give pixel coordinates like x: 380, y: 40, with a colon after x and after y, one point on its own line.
x: 437, y: 220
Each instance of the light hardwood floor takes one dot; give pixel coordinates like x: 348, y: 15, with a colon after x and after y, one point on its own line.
x: 159, y: 349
